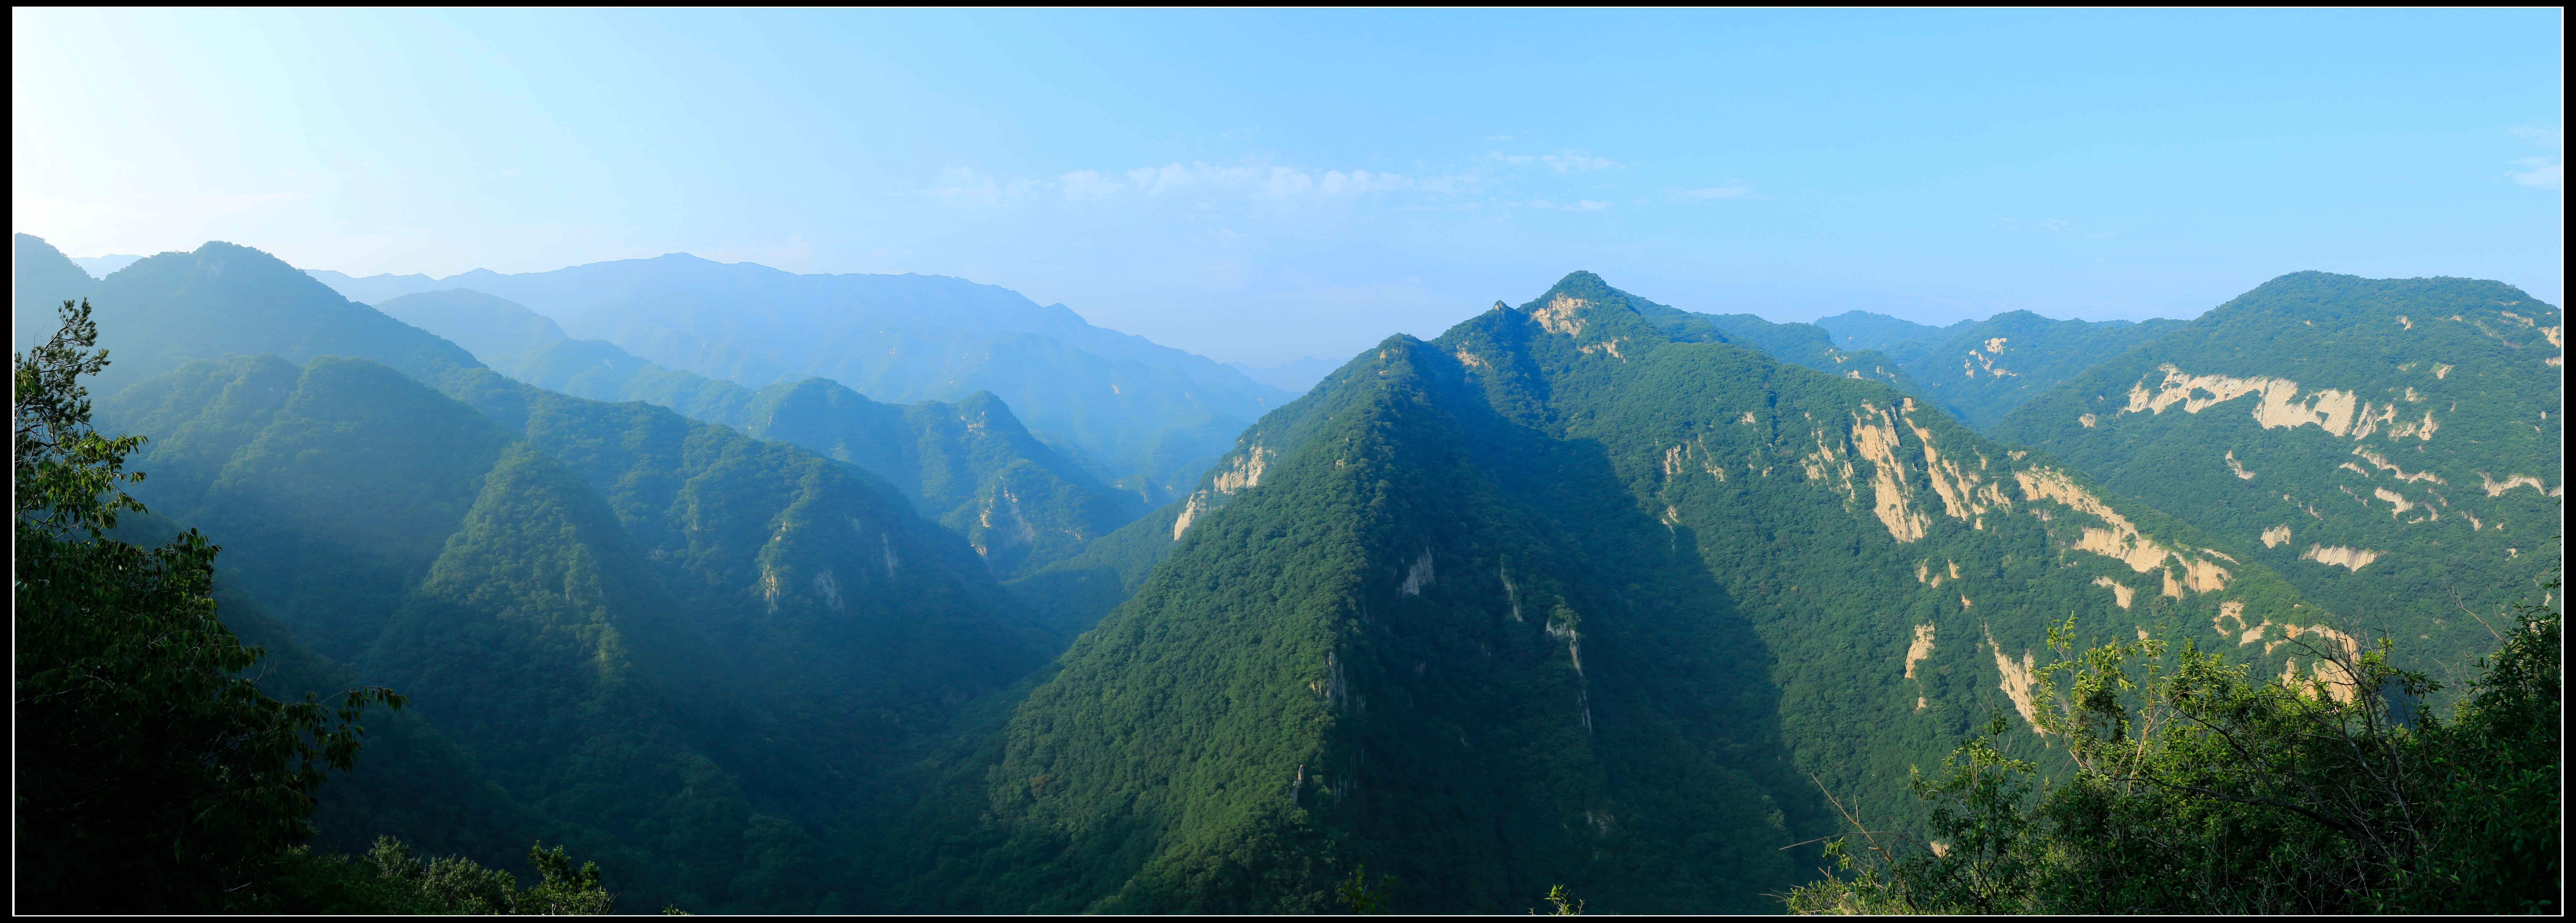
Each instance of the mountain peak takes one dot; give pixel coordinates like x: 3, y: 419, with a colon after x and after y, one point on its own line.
x: 1583, y: 289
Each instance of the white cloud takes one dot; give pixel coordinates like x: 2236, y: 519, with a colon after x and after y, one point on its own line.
x: 1561, y: 161
x: 1270, y: 185
x: 1712, y: 192
x: 1201, y: 184
x: 1578, y: 205
x: 1571, y: 162
x: 237, y: 203
x: 2540, y: 173
x: 963, y: 187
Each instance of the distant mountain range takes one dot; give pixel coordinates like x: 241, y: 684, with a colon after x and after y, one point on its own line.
x: 101, y: 266
x: 669, y: 643
x: 1293, y: 377
x: 1019, y: 500
x: 1151, y: 414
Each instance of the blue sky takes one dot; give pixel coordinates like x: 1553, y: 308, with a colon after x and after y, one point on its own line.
x: 1263, y: 185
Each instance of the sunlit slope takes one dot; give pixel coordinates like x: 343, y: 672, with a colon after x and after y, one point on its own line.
x: 675, y: 642
x: 1900, y: 567
x: 2392, y: 446
x: 222, y: 299
x: 968, y: 464
x: 1499, y: 598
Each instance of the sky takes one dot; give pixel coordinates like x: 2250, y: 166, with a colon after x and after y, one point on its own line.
x: 1259, y: 186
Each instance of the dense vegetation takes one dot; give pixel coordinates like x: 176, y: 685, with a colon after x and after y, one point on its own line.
x: 1372, y: 613
x: 1979, y: 371
x: 1796, y: 344
x: 653, y: 638
x: 970, y: 465
x: 162, y: 778
x: 2201, y: 790
x: 1589, y: 602
x: 2392, y: 446
x: 661, y: 636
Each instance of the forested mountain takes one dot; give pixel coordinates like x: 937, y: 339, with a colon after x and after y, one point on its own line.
x: 44, y: 278
x: 1149, y: 412
x: 672, y: 644
x: 666, y: 637
x: 417, y: 782
x: 1591, y: 591
x: 2392, y: 446
x: 220, y: 300
x: 1797, y: 344
x: 1556, y: 598
x: 1870, y: 330
x: 1979, y: 371
x: 969, y: 464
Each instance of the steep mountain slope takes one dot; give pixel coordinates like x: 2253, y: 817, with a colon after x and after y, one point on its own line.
x: 1143, y: 409
x: 44, y: 280
x: 501, y: 333
x: 414, y: 781
x: 968, y: 464
x: 2393, y: 446
x: 1978, y: 371
x: 677, y: 646
x: 220, y: 300
x: 1559, y: 598
x: 663, y: 635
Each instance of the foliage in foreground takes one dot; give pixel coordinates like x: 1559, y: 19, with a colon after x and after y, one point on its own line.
x: 151, y: 773
x: 390, y: 880
x: 2200, y: 789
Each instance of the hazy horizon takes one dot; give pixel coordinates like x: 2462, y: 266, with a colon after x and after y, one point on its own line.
x: 1260, y: 186
x: 111, y: 262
